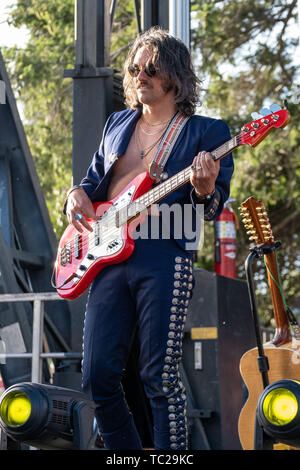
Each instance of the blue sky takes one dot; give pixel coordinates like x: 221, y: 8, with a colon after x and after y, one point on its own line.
x: 9, y: 36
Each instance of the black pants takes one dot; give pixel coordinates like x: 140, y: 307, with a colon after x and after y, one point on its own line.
x: 150, y: 290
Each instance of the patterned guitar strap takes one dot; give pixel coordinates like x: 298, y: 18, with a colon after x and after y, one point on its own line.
x: 166, y: 145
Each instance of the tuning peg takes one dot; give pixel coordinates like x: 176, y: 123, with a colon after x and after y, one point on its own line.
x: 251, y: 232
x: 246, y: 220
x: 248, y: 226
x: 265, y: 111
x: 262, y: 213
x: 256, y: 116
x: 275, y: 107
x: 253, y: 237
x: 244, y: 211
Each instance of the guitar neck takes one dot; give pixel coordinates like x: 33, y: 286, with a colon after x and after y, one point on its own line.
x: 163, y: 189
x: 257, y: 223
x: 282, y: 333
x: 160, y: 191
x: 226, y: 148
x: 181, y: 178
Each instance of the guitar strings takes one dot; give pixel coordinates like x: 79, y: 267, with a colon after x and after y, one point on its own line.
x: 279, y: 283
x: 86, y: 236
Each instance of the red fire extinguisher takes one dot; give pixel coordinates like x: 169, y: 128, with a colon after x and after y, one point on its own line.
x: 226, y: 226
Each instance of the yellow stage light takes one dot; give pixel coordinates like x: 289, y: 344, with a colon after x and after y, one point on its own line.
x: 47, y: 417
x: 278, y: 414
x: 280, y: 406
x: 15, y: 408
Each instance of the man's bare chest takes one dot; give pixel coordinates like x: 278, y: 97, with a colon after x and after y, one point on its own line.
x: 126, y: 168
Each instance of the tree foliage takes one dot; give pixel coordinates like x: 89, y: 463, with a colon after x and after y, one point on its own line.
x: 247, y: 58
x: 37, y: 75
x: 245, y: 53
x: 36, y: 72
x: 123, y: 32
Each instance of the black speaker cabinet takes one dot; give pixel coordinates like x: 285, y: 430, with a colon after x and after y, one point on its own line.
x: 218, y: 331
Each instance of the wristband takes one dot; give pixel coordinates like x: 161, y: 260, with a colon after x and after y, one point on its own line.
x: 205, y: 197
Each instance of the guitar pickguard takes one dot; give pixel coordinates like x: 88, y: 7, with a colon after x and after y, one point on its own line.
x: 107, y: 238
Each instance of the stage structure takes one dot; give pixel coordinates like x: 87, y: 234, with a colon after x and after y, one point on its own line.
x: 27, y: 247
x: 27, y: 240
x: 28, y: 255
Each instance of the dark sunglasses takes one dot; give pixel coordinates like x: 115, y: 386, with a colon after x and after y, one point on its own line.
x: 149, y: 70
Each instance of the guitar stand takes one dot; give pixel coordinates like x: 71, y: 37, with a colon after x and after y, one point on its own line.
x: 261, y: 440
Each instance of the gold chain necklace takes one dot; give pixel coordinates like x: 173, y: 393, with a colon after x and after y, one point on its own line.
x: 157, y: 123
x: 144, y: 152
x: 149, y: 133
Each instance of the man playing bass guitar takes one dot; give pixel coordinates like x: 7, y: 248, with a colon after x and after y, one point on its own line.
x: 151, y: 289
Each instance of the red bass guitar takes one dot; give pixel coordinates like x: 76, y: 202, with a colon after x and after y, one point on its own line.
x: 81, y: 256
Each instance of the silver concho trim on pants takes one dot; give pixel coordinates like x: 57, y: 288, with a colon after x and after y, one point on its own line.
x: 172, y: 385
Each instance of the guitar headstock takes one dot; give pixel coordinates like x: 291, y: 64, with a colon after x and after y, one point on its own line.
x: 268, y: 119
x: 256, y: 221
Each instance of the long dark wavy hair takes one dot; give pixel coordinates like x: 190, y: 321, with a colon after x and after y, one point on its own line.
x: 172, y: 59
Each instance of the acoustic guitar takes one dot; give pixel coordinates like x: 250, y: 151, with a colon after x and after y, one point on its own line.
x: 281, y: 351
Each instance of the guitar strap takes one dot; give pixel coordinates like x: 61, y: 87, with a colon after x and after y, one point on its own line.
x: 166, y: 145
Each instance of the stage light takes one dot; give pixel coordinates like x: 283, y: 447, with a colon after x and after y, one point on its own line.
x: 278, y: 412
x: 47, y: 417
x: 15, y: 408
x: 280, y: 406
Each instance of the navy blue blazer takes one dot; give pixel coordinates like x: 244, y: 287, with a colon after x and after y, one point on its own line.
x: 199, y: 133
